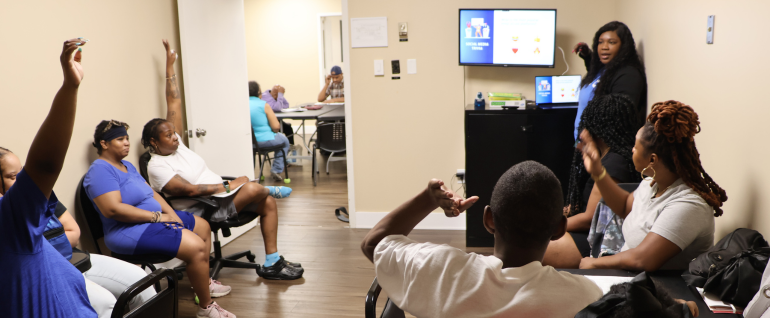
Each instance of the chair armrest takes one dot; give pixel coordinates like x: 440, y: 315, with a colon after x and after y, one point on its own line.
x: 144, y: 283
x: 203, y: 200
x: 370, y: 308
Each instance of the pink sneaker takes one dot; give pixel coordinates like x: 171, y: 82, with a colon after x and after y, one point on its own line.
x: 217, y: 289
x: 214, y: 311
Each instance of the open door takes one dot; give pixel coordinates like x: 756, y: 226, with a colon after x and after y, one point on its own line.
x: 213, y: 54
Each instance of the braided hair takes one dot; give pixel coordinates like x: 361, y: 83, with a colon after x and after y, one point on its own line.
x: 3, y: 152
x: 669, y: 133
x: 627, y: 55
x: 101, y: 130
x: 611, y: 119
x: 150, y: 131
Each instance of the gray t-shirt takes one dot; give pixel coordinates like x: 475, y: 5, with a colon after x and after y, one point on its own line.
x: 680, y: 215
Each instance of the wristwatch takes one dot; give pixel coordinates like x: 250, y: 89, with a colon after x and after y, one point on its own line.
x: 226, y: 183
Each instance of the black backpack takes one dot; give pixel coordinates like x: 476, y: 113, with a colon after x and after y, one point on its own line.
x: 732, y: 269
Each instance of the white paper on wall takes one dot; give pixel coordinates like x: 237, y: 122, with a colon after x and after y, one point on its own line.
x: 369, y: 32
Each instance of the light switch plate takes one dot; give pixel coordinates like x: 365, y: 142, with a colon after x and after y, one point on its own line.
x: 710, y: 30
x: 379, y: 68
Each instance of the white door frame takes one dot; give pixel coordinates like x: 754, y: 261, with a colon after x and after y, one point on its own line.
x: 349, y: 153
x: 321, y: 53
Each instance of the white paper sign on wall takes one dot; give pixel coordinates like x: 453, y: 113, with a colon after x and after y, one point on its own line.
x: 369, y: 32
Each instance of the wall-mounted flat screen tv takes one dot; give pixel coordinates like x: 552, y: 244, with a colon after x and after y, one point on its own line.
x: 508, y: 37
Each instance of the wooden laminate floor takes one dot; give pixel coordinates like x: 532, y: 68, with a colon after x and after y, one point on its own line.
x: 337, y: 275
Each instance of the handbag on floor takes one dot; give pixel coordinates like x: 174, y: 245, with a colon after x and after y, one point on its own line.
x: 732, y: 269
x: 759, y: 307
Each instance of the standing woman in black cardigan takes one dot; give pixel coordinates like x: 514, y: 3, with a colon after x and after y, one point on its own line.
x: 613, y: 67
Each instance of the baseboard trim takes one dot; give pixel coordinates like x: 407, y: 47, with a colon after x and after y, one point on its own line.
x: 434, y: 221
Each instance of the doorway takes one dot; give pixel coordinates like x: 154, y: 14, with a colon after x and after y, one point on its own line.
x: 330, y: 51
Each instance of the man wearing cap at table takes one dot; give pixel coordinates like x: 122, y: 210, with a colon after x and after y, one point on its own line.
x: 334, y: 88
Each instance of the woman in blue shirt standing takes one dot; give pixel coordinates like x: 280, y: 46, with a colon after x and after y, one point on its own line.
x: 613, y: 67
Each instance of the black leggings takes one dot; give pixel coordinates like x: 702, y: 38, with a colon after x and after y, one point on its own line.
x: 581, y: 241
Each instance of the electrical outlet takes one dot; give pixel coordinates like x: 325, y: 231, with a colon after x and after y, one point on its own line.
x: 460, y: 175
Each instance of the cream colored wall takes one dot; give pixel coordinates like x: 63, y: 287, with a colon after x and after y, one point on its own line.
x: 282, y: 44
x: 124, y: 65
x: 724, y: 82
x: 410, y: 130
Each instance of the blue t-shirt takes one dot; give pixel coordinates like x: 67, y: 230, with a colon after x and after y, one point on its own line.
x: 259, y: 122
x: 102, y: 177
x: 585, y: 95
x: 35, y: 280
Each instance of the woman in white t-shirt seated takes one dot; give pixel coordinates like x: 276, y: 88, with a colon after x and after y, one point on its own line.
x: 175, y: 170
x: 669, y: 219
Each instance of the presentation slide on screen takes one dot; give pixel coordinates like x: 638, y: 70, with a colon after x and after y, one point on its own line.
x: 524, y: 37
x: 557, y: 89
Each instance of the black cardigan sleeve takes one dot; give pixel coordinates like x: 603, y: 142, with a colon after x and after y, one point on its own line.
x: 629, y: 81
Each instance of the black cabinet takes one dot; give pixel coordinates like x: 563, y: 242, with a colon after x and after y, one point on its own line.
x: 495, y: 140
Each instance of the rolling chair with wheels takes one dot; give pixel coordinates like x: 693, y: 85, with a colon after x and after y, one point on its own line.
x: 370, y: 309
x: 217, y: 262
x: 87, y: 211
x: 331, y: 138
x: 265, y: 151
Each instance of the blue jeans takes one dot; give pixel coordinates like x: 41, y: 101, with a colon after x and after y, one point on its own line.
x: 280, y: 139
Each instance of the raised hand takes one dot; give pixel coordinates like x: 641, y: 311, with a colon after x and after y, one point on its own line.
x: 328, y: 79
x: 170, y: 53
x: 591, y: 157
x: 447, y: 201
x: 70, y: 63
x: 582, y: 50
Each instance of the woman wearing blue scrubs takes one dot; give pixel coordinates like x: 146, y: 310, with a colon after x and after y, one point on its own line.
x: 613, y: 67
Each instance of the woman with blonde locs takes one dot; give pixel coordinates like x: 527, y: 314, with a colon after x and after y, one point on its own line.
x: 677, y: 196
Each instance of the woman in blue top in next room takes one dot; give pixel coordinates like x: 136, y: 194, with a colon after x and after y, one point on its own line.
x: 265, y: 127
x: 613, y: 67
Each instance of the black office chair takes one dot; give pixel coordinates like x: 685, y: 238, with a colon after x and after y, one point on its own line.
x: 265, y: 151
x: 370, y: 309
x: 331, y: 138
x: 164, y: 304
x: 217, y: 262
x: 87, y: 211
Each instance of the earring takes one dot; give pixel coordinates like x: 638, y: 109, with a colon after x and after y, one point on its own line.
x: 648, y: 178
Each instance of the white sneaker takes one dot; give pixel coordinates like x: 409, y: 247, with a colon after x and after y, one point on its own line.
x: 214, y: 311
x: 217, y: 289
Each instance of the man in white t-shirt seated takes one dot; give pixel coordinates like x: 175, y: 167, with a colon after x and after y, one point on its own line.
x: 430, y: 280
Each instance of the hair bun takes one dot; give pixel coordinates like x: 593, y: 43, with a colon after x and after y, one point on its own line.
x: 675, y: 120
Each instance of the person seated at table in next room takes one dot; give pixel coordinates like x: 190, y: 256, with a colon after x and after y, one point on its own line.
x: 668, y: 219
x: 36, y: 280
x: 108, y: 277
x: 276, y: 99
x: 334, y: 88
x: 176, y: 170
x: 265, y: 127
x: 136, y: 220
x: 431, y: 280
x: 610, y: 120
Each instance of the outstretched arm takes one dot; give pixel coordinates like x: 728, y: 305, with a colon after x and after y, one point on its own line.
x: 173, y: 96
x: 46, y: 155
x: 404, y: 218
